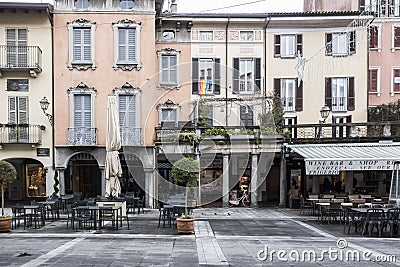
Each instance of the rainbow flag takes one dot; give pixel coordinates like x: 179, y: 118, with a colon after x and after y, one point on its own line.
x: 205, y: 87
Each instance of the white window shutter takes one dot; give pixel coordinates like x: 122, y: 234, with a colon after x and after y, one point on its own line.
x: 122, y: 45
x: 87, y: 45
x: 22, y: 109
x: 132, y: 111
x: 77, y: 43
x: 12, y: 109
x: 131, y: 45
x: 78, y: 111
x: 87, y: 119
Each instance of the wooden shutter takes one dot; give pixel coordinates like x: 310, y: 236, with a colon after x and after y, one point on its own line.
x: 373, y: 80
x: 22, y: 109
x: 127, y: 110
x: 87, y: 45
x: 131, y: 45
x: 299, y: 40
x: 217, y: 76
x: 195, y: 76
x: 328, y: 92
x: 396, y: 36
x: 352, y: 44
x: 235, y: 88
x: 77, y: 43
x: 328, y: 44
x: 299, y: 96
x: 277, y: 46
x: 277, y: 88
x: 12, y: 109
x: 257, y: 76
x: 351, y: 96
x: 122, y: 44
x: 373, y: 37
x: 82, y: 111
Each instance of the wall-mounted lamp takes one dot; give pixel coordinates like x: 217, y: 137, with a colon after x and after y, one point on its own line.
x: 325, y: 111
x: 44, y: 104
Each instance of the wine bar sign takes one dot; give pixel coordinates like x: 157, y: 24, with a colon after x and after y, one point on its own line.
x: 333, y: 167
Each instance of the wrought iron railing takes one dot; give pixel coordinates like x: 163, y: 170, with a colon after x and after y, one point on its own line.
x: 344, y: 131
x: 288, y: 103
x: 21, y: 134
x: 82, y: 136
x: 339, y: 103
x: 131, y: 136
x: 20, y: 57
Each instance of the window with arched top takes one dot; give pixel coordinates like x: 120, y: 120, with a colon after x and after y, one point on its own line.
x: 127, y: 4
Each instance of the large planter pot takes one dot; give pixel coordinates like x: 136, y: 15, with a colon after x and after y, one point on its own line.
x: 185, y: 226
x: 5, y: 224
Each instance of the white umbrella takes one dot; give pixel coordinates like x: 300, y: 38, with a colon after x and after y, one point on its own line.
x: 113, y: 144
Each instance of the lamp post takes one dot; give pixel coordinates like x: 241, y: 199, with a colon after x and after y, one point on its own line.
x: 325, y: 111
x: 44, y: 104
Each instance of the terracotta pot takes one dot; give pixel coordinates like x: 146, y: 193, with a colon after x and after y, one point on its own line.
x: 185, y: 226
x: 5, y: 224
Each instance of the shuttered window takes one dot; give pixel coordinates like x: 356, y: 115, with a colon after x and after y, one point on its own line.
x: 18, y: 109
x: 394, y: 8
x: 82, y: 4
x: 373, y: 37
x: 82, y: 45
x: 288, y: 45
x: 396, y: 37
x: 127, y: 45
x: 82, y: 111
x: 340, y: 94
x: 246, y: 115
x: 206, y: 76
x: 340, y: 44
x: 17, y: 50
x: 127, y: 110
x: 246, y: 75
x: 373, y: 81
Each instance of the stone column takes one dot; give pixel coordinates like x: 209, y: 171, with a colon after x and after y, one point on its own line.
x: 61, y: 179
x: 149, y: 187
x: 254, y: 180
x: 348, y: 182
x: 225, y: 179
x: 283, y: 183
x: 315, y: 184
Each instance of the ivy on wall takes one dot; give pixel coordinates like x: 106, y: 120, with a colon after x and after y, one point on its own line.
x: 385, y: 112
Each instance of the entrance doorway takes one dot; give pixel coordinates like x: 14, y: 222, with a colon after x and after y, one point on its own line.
x: 83, y: 175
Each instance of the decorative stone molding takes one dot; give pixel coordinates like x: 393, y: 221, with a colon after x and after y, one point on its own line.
x: 82, y: 88
x: 127, y: 88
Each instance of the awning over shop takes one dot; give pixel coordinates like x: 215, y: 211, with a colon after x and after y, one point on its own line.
x: 330, y: 159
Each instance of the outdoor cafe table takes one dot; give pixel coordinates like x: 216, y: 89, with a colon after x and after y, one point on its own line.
x: 53, y: 207
x: 30, y: 214
x: 313, y: 202
x: 115, y: 217
x: 65, y: 200
x: 93, y: 210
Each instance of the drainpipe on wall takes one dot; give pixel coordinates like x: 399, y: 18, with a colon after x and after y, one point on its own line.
x: 226, y: 71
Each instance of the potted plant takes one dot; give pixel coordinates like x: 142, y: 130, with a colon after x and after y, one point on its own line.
x: 7, y: 175
x: 185, y: 171
x: 216, y: 133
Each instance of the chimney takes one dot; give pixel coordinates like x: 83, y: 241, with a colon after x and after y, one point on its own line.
x: 174, y: 6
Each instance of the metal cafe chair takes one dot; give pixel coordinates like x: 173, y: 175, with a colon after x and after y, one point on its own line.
x: 393, y: 217
x: 374, y: 219
x: 83, y: 216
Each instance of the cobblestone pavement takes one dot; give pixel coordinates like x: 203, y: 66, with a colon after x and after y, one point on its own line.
x: 227, y: 236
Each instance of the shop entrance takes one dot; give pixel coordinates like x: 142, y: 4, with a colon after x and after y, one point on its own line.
x: 83, y: 176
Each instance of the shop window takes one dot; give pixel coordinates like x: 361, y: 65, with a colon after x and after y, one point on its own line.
x: 35, y: 180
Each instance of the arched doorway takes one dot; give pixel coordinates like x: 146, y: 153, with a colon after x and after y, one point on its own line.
x: 132, y: 179
x: 83, y: 175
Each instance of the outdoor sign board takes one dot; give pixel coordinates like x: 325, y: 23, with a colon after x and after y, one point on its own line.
x: 43, y: 152
x: 333, y: 167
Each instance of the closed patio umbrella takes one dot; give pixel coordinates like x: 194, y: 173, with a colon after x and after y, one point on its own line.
x: 113, y: 144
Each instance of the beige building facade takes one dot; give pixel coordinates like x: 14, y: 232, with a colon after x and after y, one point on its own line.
x: 26, y: 77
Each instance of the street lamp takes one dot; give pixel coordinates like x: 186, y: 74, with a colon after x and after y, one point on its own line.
x: 325, y: 111
x: 44, y: 104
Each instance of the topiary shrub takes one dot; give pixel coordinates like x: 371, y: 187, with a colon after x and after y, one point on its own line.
x: 8, y: 174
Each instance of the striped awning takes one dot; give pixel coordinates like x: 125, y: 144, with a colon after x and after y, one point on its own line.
x: 330, y: 159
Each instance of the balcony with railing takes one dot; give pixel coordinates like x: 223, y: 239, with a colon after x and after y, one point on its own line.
x: 82, y: 136
x: 339, y: 103
x: 288, y: 103
x: 21, y: 133
x: 343, y: 132
x: 131, y: 136
x: 20, y: 58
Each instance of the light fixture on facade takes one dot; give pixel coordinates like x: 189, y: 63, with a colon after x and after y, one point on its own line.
x: 44, y: 104
x: 33, y: 73
x: 325, y: 111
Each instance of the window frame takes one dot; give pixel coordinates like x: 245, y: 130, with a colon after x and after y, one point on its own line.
x: 82, y: 65
x: 392, y: 83
x: 128, y: 1
x: 379, y: 39
x: 378, y: 80
x: 286, y: 90
x: 168, y: 53
x: 127, y: 65
x: 247, y: 80
x: 297, y: 44
x: 20, y: 53
x: 82, y: 4
x: 394, y: 8
x: 345, y: 94
x: 246, y: 39
x: 172, y: 107
x: 394, y: 27
x: 207, y: 39
x: 170, y: 32
x: 350, y: 43
x: 82, y: 89
x: 377, y: 8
